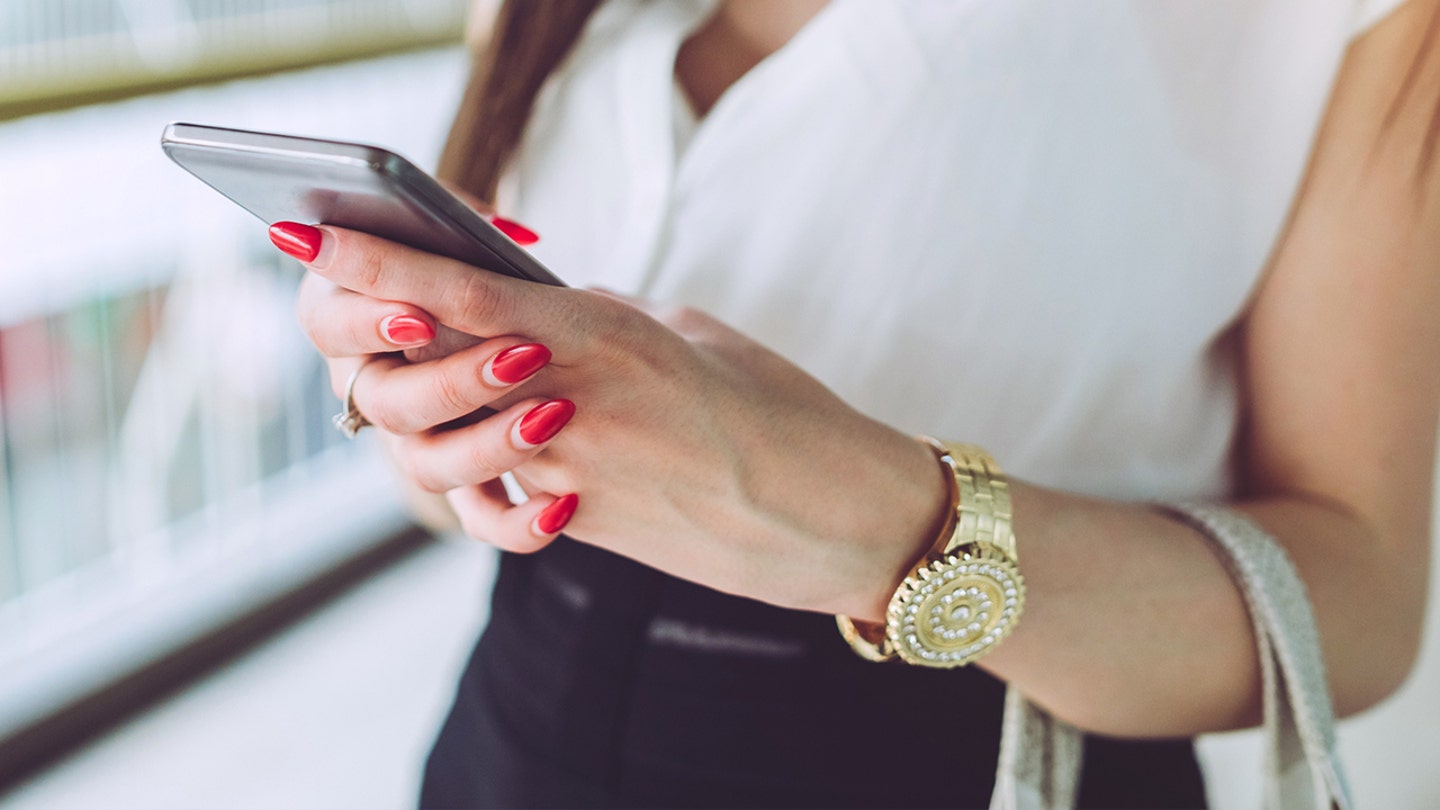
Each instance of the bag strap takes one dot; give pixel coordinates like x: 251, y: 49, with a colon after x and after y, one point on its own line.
x: 1303, y: 768
x: 1040, y: 756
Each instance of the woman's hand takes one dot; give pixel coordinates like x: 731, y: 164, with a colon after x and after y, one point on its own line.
x: 691, y: 448
x: 696, y: 451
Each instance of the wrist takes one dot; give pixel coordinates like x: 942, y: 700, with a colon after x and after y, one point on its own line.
x: 910, y: 517
x: 965, y: 594
x: 854, y: 505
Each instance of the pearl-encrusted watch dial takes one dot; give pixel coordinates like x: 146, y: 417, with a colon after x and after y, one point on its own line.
x: 955, y: 609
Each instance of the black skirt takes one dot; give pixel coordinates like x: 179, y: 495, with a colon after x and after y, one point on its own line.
x: 599, y: 682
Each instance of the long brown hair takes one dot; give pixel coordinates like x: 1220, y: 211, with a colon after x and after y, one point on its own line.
x: 528, y: 41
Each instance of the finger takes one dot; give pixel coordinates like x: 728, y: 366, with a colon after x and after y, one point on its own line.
x: 518, y: 233
x: 439, y: 461
x: 447, y: 341
x: 342, y: 323
x: 407, y: 398
x: 341, y: 368
x: 486, y: 514
x: 455, y: 293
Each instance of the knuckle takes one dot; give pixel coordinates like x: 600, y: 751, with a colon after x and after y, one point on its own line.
x: 689, y: 322
x: 412, y: 466
x: 385, y: 415
x: 314, y: 335
x: 683, y: 316
x: 479, y: 300
x: 311, y: 324
x: 315, y: 314
x: 361, y: 335
x: 368, y: 263
x: 640, y: 349
x: 608, y: 330
x: 305, y: 296
x: 476, y: 527
x: 305, y: 314
x: 427, y: 480
x: 669, y: 314
x: 453, y: 395
x: 484, y: 462
x: 615, y: 313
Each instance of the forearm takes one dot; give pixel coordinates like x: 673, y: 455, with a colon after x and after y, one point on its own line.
x: 1133, y: 627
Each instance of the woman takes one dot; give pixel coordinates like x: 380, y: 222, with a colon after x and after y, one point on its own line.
x: 1138, y: 252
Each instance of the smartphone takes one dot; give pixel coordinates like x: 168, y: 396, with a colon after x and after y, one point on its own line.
x: 349, y: 185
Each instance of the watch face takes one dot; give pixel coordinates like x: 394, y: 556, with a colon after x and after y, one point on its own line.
x: 955, y: 609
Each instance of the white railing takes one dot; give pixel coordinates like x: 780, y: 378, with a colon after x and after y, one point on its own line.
x: 64, y: 48
x: 166, y: 458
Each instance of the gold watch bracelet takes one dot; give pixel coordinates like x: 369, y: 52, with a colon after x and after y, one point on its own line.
x: 965, y: 593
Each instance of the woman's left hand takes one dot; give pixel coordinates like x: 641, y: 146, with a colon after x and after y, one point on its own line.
x: 693, y: 449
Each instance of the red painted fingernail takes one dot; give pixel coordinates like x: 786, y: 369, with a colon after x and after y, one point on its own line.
x: 554, y: 517
x: 519, y: 233
x: 407, y: 330
x: 545, y: 420
x: 300, y: 241
x: 516, y: 363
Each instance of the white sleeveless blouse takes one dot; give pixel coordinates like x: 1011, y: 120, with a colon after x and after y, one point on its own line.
x: 1024, y: 224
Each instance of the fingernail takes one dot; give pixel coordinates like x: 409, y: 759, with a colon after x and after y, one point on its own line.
x: 301, y: 241
x: 517, y: 232
x: 554, y: 517
x: 515, y: 364
x: 407, y: 330
x: 542, y: 422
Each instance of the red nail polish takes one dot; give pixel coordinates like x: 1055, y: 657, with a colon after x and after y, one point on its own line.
x: 300, y: 241
x: 519, y: 233
x: 518, y: 363
x: 407, y: 330
x: 545, y: 420
x: 554, y: 517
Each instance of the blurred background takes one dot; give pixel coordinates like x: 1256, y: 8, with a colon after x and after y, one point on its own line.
x: 207, y: 597
x: 171, y: 489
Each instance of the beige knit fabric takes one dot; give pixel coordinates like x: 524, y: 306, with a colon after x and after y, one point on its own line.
x: 1040, y: 756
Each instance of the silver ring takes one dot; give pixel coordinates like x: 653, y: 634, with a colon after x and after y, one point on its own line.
x: 350, y: 420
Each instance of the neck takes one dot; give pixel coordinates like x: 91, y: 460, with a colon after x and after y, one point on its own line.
x: 735, y: 39
x: 763, y: 26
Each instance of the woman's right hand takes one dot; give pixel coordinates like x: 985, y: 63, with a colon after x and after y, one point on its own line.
x: 367, y: 328
x: 696, y: 450
x: 447, y: 340
x: 421, y: 361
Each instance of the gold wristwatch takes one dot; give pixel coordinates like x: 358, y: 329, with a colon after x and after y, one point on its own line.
x: 966, y: 594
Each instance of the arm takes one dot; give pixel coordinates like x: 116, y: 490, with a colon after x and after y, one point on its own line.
x: 1132, y: 627
x: 700, y: 453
